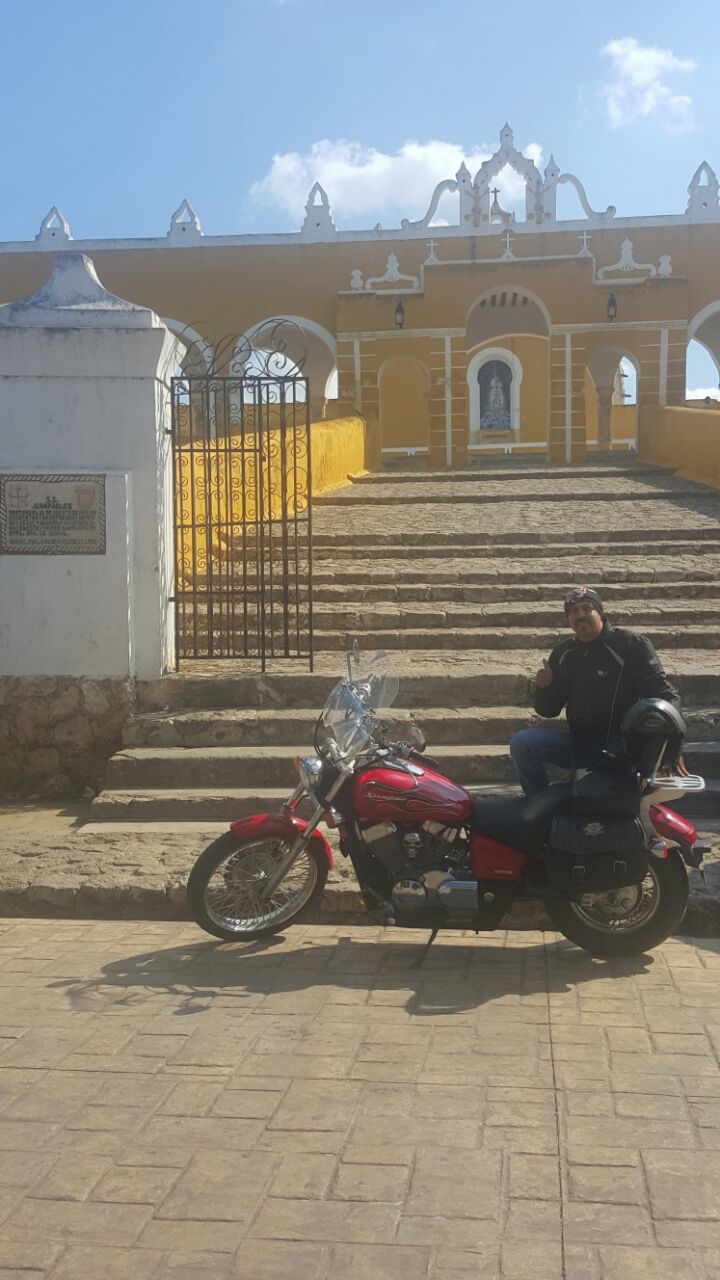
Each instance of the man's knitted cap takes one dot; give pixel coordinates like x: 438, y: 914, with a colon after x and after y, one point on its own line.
x: 584, y: 593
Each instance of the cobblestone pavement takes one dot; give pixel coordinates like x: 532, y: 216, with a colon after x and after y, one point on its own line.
x: 319, y: 1106
x: 518, y: 516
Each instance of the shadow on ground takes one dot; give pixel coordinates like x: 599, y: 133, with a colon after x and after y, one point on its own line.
x: 452, y: 978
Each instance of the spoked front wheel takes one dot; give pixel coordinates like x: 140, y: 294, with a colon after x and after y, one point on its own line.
x: 627, y: 921
x: 225, y: 887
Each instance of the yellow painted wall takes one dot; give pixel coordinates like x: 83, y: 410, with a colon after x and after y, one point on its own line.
x: 210, y: 510
x: 688, y: 440
x: 340, y: 447
x: 404, y: 403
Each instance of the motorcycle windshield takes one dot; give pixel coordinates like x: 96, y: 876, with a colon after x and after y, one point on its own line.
x: 358, y: 702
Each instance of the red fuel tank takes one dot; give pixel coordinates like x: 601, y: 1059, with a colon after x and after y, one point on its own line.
x: 398, y: 796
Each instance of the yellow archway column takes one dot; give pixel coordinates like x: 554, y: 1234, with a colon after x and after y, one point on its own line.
x: 567, y: 440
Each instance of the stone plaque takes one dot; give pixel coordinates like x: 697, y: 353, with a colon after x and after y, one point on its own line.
x: 58, y: 515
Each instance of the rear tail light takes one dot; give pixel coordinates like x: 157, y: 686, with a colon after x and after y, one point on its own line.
x: 671, y: 825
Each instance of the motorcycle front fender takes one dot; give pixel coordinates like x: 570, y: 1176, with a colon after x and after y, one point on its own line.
x: 283, y: 825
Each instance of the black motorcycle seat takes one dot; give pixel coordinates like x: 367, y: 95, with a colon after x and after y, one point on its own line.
x: 523, y: 822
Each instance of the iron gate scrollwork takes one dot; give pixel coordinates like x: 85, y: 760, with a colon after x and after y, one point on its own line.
x: 243, y: 493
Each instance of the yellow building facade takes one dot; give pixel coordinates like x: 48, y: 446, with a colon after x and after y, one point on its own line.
x: 495, y: 334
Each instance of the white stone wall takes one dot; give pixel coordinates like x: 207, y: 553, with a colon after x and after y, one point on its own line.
x: 84, y: 387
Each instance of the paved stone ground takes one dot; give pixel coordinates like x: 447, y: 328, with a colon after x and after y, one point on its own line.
x: 58, y: 863
x: 172, y: 1108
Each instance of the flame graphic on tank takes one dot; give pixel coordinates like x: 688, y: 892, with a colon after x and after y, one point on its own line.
x: 413, y: 804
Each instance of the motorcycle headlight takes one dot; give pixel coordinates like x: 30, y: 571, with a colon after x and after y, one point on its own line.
x: 309, y: 770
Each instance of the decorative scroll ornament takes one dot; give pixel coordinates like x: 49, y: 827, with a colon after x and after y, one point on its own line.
x: 393, y: 275
x: 54, y: 227
x: 704, y: 194
x: 276, y: 349
x: 318, y: 224
x: 475, y: 194
x: 626, y: 262
x: 185, y: 226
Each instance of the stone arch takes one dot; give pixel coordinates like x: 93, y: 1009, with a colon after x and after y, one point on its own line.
x: 504, y: 310
x: 320, y: 367
x: 404, y: 394
x: 705, y: 329
x: 613, y: 420
x: 486, y: 356
x: 196, y: 347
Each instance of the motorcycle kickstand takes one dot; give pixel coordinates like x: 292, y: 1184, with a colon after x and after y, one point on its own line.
x: 426, y: 948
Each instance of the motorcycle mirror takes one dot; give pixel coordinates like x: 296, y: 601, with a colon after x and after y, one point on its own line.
x: 352, y: 656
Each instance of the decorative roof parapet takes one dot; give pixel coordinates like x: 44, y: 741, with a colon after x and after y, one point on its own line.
x: 54, y: 227
x: 318, y: 224
x: 185, y: 226
x: 703, y: 194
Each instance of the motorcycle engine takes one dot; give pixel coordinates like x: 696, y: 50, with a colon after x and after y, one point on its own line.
x: 408, y: 852
x: 427, y: 868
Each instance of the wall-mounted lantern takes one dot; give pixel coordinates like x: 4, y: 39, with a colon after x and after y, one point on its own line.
x: 399, y: 315
x: 611, y: 306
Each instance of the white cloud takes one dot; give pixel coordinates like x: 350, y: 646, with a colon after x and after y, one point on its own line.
x: 365, y: 183
x: 638, y: 85
x: 701, y: 393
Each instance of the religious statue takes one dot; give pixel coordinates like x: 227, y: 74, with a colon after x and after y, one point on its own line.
x: 496, y: 395
x: 494, y: 381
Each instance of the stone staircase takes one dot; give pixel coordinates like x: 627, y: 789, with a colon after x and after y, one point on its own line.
x: 462, y: 575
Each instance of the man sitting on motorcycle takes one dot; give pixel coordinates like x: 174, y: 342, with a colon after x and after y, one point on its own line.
x: 597, y: 675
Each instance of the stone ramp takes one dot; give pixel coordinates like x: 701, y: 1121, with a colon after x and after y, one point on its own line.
x: 459, y: 576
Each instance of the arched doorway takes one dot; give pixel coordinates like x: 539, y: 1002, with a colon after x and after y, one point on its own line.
x: 404, y: 387
x: 611, y: 400
x: 302, y: 345
x: 507, y: 332
x: 703, y: 355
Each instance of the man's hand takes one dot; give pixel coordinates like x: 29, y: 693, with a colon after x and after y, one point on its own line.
x: 544, y: 676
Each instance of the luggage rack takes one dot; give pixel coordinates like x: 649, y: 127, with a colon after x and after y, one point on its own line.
x: 673, y: 782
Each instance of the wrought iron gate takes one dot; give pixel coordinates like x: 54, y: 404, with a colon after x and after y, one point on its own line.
x: 243, y: 492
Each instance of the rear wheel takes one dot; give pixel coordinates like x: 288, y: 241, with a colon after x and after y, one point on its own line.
x: 225, y: 886
x: 626, y: 921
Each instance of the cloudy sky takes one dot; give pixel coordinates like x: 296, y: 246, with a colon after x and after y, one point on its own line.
x: 115, y: 112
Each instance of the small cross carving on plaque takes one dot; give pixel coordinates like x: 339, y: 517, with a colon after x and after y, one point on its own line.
x: 432, y: 256
x: 584, y: 238
x: 507, y: 241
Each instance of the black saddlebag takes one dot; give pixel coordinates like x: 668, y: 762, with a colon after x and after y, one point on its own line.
x: 591, y: 854
x: 610, y: 792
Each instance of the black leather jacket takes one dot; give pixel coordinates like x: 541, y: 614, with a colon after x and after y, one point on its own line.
x: 597, y: 683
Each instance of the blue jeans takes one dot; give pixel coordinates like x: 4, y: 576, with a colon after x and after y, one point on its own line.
x: 532, y: 749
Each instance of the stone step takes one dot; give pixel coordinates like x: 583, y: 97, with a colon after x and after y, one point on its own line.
x: 441, y: 725
x: 218, y: 767
x: 199, y: 805
x: 532, y: 615
x: 333, y: 634
x: 481, y: 472
x: 336, y: 593
x: 398, y: 552
x: 453, y: 495
x: 519, y: 573
x: 452, y: 679
x: 572, y: 539
x: 687, y: 637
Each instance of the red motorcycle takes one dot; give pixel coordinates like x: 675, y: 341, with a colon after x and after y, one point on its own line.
x: 603, y: 853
